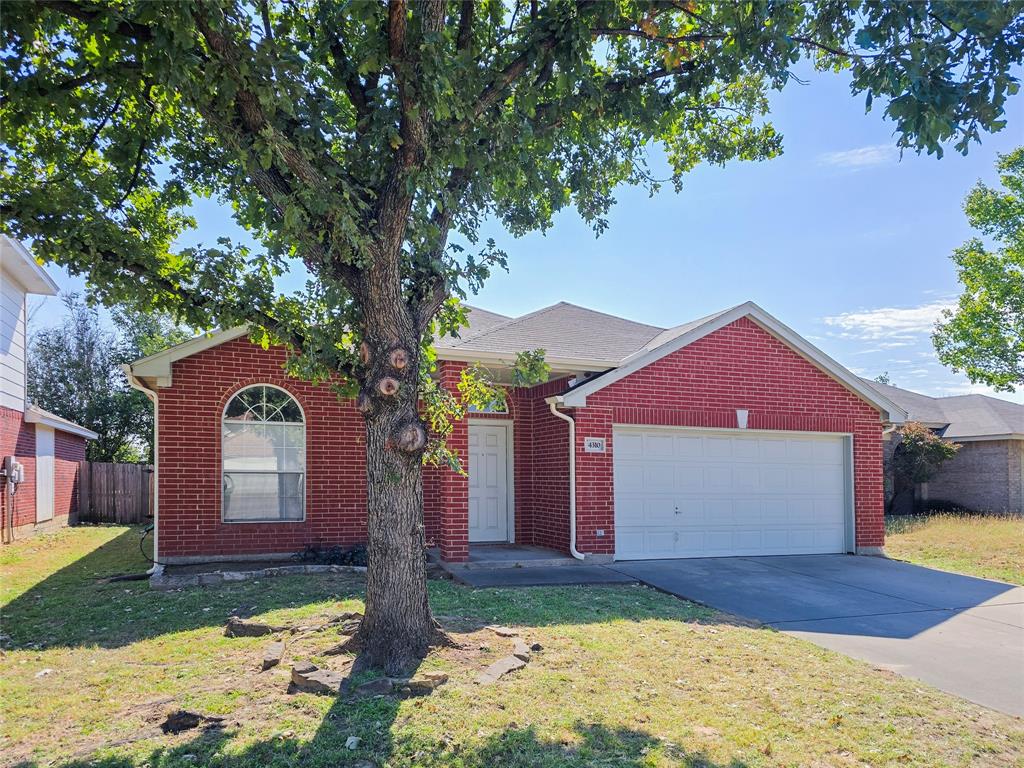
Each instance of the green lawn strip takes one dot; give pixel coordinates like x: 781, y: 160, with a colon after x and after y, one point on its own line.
x: 991, y: 547
x: 627, y: 677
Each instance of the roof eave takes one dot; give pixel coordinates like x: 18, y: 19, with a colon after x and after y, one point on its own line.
x: 32, y: 277
x: 560, y: 364
x: 35, y: 416
x: 158, y: 367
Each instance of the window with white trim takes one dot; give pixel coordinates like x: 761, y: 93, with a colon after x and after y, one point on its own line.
x: 263, y: 449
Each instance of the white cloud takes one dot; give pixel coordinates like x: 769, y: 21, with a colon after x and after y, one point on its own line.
x: 861, y: 157
x: 895, y: 324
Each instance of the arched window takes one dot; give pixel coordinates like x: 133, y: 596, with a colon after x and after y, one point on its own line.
x: 263, y: 440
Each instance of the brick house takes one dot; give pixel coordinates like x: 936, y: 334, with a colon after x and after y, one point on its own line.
x: 728, y: 435
x: 47, y: 447
x: 987, y: 473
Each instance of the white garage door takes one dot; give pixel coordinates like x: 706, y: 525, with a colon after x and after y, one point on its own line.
x: 686, y: 493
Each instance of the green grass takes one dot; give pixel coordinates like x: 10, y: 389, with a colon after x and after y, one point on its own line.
x: 979, y: 545
x: 628, y: 677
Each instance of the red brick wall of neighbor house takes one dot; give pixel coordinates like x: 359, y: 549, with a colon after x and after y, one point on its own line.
x: 190, y: 459
x: 701, y: 385
x: 69, y: 451
x: 18, y: 438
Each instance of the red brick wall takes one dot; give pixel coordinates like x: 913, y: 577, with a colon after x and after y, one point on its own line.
x: 190, y: 414
x: 69, y: 450
x: 18, y: 438
x: 740, y: 366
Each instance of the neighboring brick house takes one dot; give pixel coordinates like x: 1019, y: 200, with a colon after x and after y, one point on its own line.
x: 47, y: 447
x: 987, y: 473
x: 729, y: 435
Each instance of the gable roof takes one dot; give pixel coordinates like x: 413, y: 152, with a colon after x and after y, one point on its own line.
x: 688, y: 333
x: 960, y: 417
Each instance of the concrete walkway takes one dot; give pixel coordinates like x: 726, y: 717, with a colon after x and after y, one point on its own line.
x: 958, y: 633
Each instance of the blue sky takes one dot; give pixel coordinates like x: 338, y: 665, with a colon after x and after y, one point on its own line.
x: 840, y: 238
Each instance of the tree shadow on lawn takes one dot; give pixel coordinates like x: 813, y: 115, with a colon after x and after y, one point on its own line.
x: 74, y: 608
x: 512, y: 747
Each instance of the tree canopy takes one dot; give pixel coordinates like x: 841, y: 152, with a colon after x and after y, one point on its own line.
x: 339, y: 130
x: 984, y: 335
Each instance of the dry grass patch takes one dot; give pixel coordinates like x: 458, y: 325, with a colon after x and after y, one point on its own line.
x: 988, y: 546
x: 627, y: 677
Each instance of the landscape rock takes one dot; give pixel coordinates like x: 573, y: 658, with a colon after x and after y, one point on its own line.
x: 500, y: 668
x: 349, y: 626
x: 503, y: 631
x: 536, y: 647
x: 377, y: 687
x: 352, y: 742
x: 311, y: 679
x: 272, y: 655
x: 237, y: 627
x: 521, y: 650
x: 426, y: 682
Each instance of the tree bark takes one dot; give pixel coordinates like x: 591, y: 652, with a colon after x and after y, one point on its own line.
x: 397, y: 628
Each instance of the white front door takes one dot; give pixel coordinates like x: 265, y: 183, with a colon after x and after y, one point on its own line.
x: 695, y: 493
x: 488, y: 482
x: 44, y: 473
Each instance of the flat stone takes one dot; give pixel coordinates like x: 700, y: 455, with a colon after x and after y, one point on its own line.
x: 500, y: 668
x: 352, y: 742
x: 536, y: 647
x: 426, y: 682
x: 377, y: 687
x: 307, y: 677
x: 183, y: 720
x: 521, y: 650
x: 272, y: 655
x: 503, y: 631
x: 349, y: 626
x: 237, y: 627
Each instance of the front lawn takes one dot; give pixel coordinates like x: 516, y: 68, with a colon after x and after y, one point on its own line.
x: 627, y: 677
x: 979, y: 545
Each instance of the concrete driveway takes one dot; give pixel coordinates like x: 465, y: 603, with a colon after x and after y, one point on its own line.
x: 961, y: 634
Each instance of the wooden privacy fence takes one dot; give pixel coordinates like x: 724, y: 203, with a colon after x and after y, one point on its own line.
x: 114, y: 493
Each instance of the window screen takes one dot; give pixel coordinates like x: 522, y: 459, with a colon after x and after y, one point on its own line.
x: 264, y: 455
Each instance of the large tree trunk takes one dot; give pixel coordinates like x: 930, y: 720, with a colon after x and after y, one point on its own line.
x: 397, y: 628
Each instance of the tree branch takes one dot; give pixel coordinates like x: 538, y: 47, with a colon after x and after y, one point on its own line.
x: 83, y: 12
x: 465, y: 36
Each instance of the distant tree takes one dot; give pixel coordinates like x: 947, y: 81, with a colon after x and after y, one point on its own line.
x: 883, y: 378
x: 984, y: 335
x: 75, y: 372
x: 920, y: 453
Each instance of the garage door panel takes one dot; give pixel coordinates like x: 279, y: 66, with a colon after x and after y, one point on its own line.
x: 724, y: 494
x: 659, y: 478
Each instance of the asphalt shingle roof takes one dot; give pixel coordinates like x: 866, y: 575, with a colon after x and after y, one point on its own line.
x: 965, y: 415
x: 562, y: 330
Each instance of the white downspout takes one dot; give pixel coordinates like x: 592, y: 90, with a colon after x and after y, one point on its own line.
x: 154, y: 398
x: 553, y: 405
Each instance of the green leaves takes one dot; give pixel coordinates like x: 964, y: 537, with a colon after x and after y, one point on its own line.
x: 984, y: 335
x: 920, y: 452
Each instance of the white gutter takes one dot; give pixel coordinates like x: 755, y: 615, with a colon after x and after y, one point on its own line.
x: 553, y: 405
x: 135, y: 383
